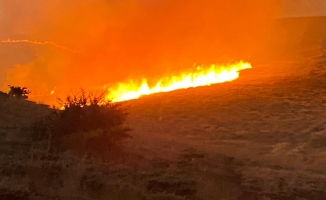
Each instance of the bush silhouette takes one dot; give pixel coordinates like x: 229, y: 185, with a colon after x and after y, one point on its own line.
x: 19, y: 92
x: 86, y: 123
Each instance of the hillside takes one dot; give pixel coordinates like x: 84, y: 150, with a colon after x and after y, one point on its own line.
x: 271, y: 126
x: 260, y: 137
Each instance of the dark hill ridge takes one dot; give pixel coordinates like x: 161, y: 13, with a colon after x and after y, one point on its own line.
x: 18, y: 112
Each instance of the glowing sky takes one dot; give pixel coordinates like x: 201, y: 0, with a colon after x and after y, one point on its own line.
x: 122, y: 39
x: 294, y: 8
x: 12, y: 11
x: 1, y: 12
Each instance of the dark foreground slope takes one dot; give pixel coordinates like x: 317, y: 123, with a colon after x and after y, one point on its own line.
x: 16, y: 118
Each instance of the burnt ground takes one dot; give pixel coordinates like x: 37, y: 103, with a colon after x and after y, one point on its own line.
x: 262, y: 136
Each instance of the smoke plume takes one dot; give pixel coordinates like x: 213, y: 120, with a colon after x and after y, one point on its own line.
x: 116, y: 40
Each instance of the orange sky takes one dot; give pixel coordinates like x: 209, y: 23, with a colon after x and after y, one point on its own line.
x: 291, y: 8
x: 124, y: 39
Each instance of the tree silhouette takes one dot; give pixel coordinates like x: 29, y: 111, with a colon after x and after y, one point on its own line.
x: 19, y: 92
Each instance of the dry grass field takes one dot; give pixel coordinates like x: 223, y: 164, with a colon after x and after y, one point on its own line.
x: 261, y: 137
x: 269, y: 126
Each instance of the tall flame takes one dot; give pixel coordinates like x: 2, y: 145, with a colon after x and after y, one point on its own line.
x: 201, y: 77
x: 38, y: 43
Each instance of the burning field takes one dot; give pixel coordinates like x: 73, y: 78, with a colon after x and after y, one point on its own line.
x: 126, y: 41
x: 222, y: 105
x: 261, y: 136
x: 202, y: 77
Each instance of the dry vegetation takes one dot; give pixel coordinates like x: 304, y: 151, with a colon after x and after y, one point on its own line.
x: 260, y: 137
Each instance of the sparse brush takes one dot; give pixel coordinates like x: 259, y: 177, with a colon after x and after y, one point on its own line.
x: 19, y: 92
x: 87, y: 124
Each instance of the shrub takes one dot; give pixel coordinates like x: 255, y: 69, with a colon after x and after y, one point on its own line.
x: 87, y: 124
x: 19, y: 92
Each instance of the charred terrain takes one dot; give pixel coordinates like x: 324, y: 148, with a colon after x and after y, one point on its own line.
x: 260, y: 137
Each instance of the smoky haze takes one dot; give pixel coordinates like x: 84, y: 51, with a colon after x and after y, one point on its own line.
x: 127, y: 39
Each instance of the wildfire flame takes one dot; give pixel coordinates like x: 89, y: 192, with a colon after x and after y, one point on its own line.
x: 38, y: 43
x: 201, y: 77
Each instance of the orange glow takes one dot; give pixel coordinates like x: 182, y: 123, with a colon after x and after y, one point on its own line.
x: 201, y: 77
x: 38, y: 43
x: 129, y: 38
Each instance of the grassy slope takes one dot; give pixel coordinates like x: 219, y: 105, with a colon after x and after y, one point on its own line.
x: 16, y: 112
x: 260, y: 137
x: 275, y: 126
x: 16, y: 117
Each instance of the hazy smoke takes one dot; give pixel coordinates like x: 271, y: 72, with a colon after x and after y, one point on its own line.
x: 120, y: 39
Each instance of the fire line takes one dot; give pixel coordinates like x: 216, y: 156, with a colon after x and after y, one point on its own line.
x: 37, y: 43
x: 201, y: 77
